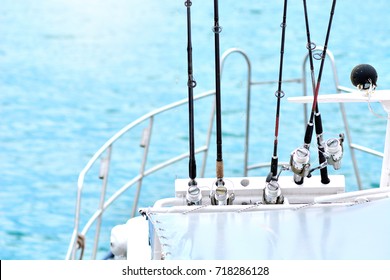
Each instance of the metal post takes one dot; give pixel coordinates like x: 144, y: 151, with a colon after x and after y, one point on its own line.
x: 145, y: 143
x: 103, y: 174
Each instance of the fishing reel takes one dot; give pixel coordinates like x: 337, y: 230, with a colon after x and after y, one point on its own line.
x: 220, y: 196
x: 334, y: 151
x: 194, y: 195
x: 300, y: 164
x: 300, y: 158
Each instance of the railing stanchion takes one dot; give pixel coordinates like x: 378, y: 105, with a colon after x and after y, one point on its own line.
x: 104, y: 176
x: 147, y: 135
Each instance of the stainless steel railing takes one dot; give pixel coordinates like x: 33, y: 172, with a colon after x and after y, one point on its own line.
x: 77, y: 242
x: 104, y: 170
x: 78, y: 235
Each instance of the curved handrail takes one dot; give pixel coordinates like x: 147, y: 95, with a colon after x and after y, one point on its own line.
x: 131, y: 182
x: 130, y: 126
x: 71, y: 254
x: 248, y: 100
x: 80, y: 183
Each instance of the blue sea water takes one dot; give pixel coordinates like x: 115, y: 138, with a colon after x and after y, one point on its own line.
x: 72, y: 73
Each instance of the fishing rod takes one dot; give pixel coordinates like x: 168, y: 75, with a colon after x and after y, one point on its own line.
x: 193, y: 194
x: 219, y: 196
x: 217, y: 29
x: 272, y: 193
x: 299, y: 160
x: 331, y: 151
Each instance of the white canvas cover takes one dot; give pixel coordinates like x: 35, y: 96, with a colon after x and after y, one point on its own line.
x: 360, y: 231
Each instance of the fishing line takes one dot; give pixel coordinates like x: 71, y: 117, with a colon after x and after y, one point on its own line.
x: 279, y: 95
x: 370, y: 92
x: 191, y: 84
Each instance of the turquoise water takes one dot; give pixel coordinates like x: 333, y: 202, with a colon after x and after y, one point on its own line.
x: 72, y: 73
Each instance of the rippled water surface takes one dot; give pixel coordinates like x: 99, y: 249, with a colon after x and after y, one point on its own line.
x: 72, y: 73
